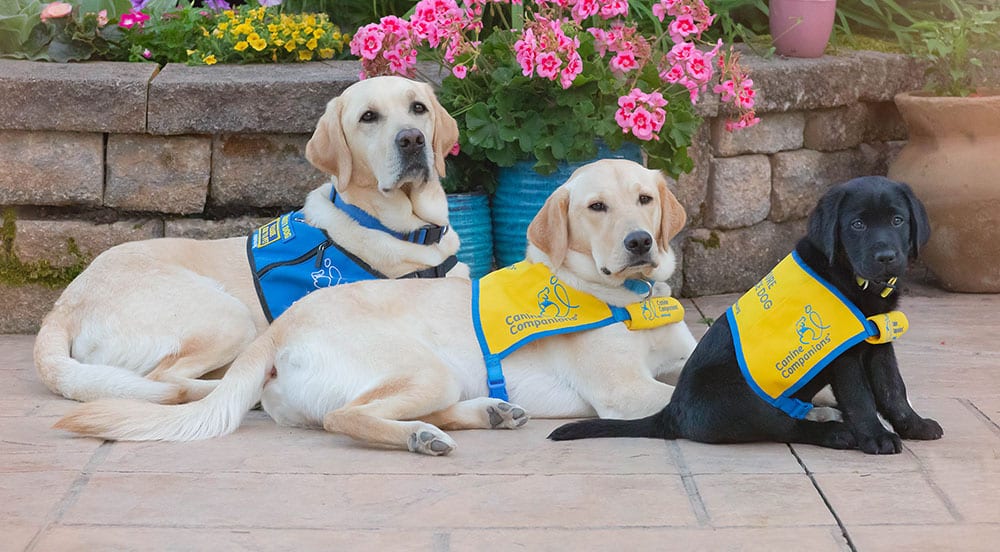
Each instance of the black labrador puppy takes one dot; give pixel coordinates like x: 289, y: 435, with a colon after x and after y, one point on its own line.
x: 860, y: 237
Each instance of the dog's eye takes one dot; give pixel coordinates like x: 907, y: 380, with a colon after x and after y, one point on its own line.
x: 369, y: 117
x: 898, y: 220
x: 645, y: 199
x: 598, y: 206
x: 858, y: 224
x: 418, y: 107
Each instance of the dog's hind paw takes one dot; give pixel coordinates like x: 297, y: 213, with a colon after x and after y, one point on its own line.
x: 504, y: 415
x: 825, y: 414
x: 430, y: 440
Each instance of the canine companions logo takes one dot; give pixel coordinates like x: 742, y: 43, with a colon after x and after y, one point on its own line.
x: 554, y: 307
x: 327, y: 276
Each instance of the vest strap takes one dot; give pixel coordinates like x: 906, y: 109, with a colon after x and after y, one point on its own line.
x: 438, y: 271
x: 494, y: 378
x: 428, y: 235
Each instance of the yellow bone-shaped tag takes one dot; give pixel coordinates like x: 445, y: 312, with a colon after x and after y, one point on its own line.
x: 654, y: 312
x: 891, y: 326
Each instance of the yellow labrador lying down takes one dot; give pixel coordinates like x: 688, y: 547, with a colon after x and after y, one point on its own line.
x: 406, y: 363
x: 174, y: 309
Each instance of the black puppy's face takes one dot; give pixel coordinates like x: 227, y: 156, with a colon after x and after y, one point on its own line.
x: 875, y: 223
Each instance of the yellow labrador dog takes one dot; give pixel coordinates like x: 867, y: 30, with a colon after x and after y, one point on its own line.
x: 410, y: 366
x: 174, y: 309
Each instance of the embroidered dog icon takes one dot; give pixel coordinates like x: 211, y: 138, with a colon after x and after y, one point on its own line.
x: 810, y: 323
x: 328, y: 276
x: 561, y: 304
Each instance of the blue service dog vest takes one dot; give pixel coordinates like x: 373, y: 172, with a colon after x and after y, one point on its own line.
x: 290, y: 258
x: 792, y: 324
x: 514, y: 306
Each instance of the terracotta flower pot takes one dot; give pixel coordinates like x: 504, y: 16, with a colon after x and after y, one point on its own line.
x: 801, y: 28
x: 952, y: 161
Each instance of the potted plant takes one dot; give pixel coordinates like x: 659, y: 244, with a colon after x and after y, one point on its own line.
x: 552, y: 82
x: 468, y: 184
x: 951, y: 158
x: 801, y: 28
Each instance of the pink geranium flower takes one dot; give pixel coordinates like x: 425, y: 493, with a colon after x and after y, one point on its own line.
x: 55, y: 10
x: 132, y: 19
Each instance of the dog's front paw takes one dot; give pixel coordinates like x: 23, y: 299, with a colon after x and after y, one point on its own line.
x: 504, y: 415
x: 884, y: 442
x: 924, y: 429
x: 430, y: 440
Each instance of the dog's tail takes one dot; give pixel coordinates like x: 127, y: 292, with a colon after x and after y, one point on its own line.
x: 66, y: 376
x: 657, y: 426
x: 219, y: 413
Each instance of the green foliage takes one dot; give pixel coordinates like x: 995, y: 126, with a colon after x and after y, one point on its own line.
x: 168, y: 34
x: 505, y: 117
x: 81, y: 35
x: 952, y: 47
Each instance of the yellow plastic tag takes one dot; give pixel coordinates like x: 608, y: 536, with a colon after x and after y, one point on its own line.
x: 891, y: 326
x: 654, y: 312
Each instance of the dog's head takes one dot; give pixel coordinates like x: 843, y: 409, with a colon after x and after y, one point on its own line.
x: 611, y: 221
x: 874, y: 223
x: 385, y: 131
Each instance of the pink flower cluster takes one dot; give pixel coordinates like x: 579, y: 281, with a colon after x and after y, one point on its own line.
x: 641, y: 114
x: 737, y: 88
x: 631, y: 50
x: 544, y: 48
x: 132, y: 18
x: 386, y: 46
x: 691, y: 17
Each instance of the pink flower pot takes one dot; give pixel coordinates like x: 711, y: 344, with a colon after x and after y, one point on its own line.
x: 801, y: 28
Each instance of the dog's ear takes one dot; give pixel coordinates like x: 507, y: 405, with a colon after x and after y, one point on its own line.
x: 823, y: 223
x: 327, y: 150
x: 672, y: 214
x: 549, y: 230
x: 920, y: 226
x: 445, y: 133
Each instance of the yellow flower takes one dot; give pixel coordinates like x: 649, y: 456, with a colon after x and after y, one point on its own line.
x: 241, y: 45
x: 309, y: 20
x: 243, y: 28
x: 223, y: 26
x: 209, y: 59
x: 289, y: 46
x: 326, y: 53
x: 336, y: 35
x: 257, y: 42
x: 229, y: 13
x: 272, y: 28
x: 305, y: 55
x: 307, y: 31
x: 217, y: 33
x: 312, y: 44
x: 278, y: 42
x: 318, y: 33
x: 191, y: 52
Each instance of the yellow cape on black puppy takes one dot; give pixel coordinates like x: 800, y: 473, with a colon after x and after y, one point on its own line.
x: 792, y: 324
x: 516, y: 305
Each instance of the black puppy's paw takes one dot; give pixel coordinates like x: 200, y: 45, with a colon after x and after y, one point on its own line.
x: 924, y: 429
x: 880, y: 443
x: 841, y: 438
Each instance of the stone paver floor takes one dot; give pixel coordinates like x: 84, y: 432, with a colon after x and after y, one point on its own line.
x: 273, y: 488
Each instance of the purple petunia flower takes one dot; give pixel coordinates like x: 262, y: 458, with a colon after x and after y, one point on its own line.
x: 217, y: 5
x: 269, y: 3
x: 139, y: 4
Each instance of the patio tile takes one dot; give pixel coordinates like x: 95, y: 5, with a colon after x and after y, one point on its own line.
x: 968, y: 438
x: 151, y: 539
x: 749, y: 458
x: 975, y: 495
x: 825, y: 460
x: 28, y: 445
x: 818, y: 539
x: 883, y: 498
x: 762, y: 500
x: 17, y: 536
x: 380, y: 501
x: 926, y: 538
x: 261, y: 446
x: 28, y: 497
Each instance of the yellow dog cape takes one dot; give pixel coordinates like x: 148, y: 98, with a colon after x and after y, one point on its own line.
x: 526, y: 301
x: 792, y: 324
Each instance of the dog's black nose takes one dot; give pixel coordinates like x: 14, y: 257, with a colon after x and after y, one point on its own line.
x: 638, y: 242
x: 410, y: 140
x: 886, y: 256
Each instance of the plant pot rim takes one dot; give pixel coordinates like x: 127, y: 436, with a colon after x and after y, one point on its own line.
x: 982, y: 94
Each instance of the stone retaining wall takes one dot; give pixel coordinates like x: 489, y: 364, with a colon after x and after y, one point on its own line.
x: 96, y: 154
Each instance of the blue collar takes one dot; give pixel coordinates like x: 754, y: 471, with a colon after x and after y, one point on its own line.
x: 639, y: 287
x: 428, y: 235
